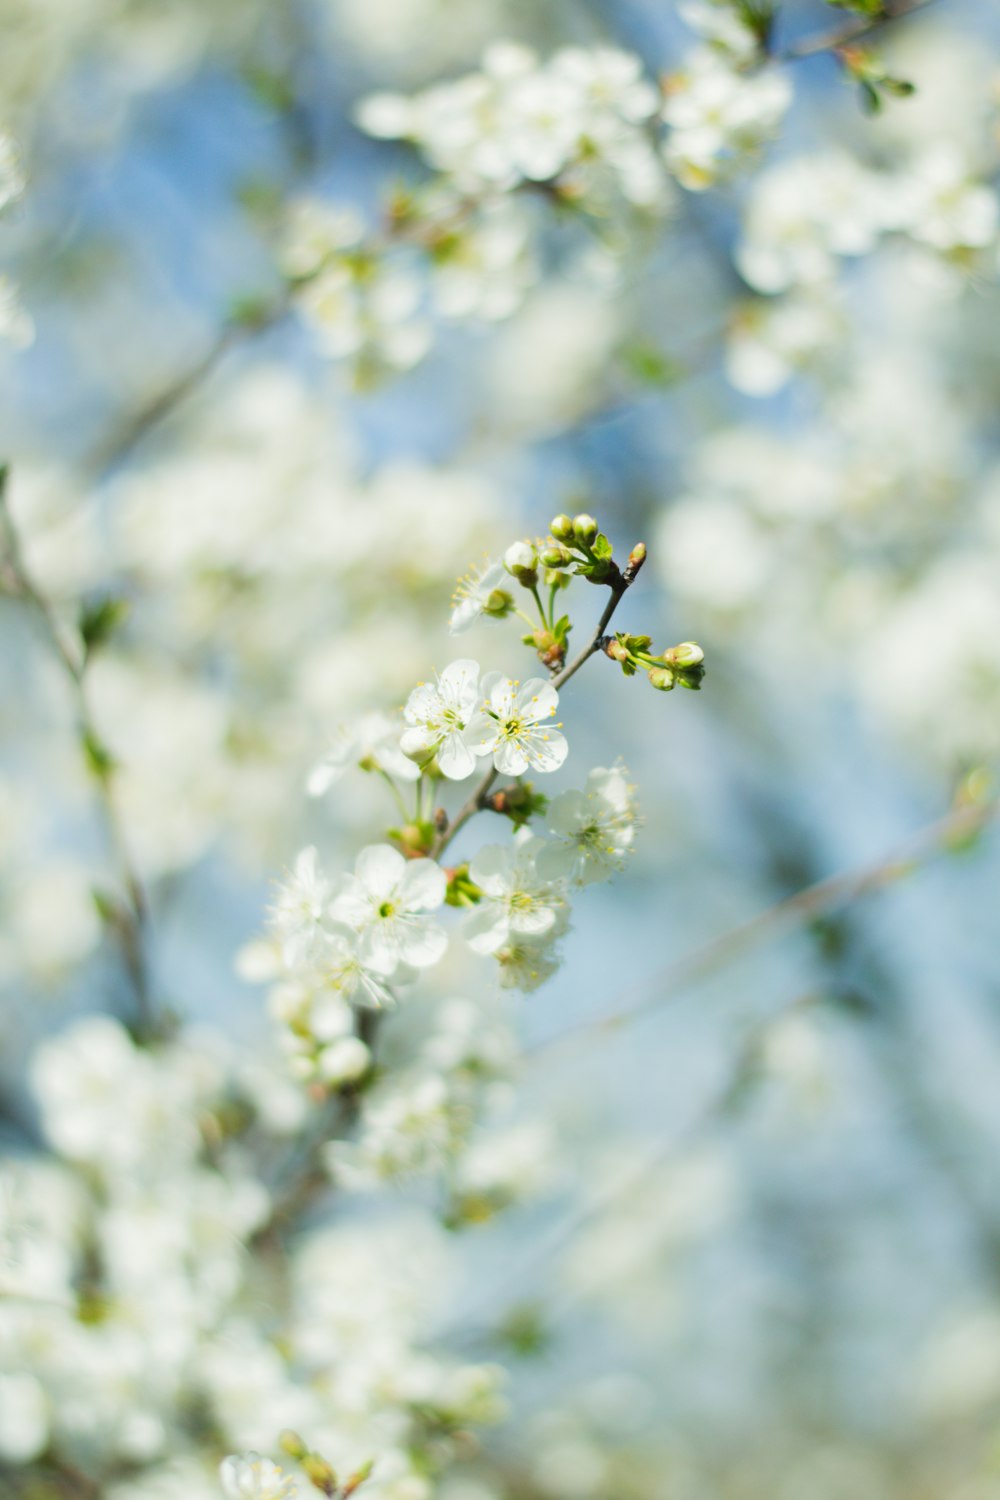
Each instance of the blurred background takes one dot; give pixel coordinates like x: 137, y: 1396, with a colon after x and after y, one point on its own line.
x: 763, y: 1257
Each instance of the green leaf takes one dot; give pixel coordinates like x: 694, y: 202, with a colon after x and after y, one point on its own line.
x: 601, y: 547
x: 100, y: 761
x: 99, y: 619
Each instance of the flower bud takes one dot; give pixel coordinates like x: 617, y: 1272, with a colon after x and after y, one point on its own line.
x: 662, y: 678
x: 584, y: 529
x: 562, y: 528
x: 687, y: 654
x: 555, y: 557
x: 498, y: 604
x: 616, y: 650
x: 358, y: 1478
x: 289, y: 1442
x: 521, y: 561
x: 319, y: 1473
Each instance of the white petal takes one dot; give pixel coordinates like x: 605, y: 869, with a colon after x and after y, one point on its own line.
x: 379, y: 868
x: 456, y: 758
x: 567, y: 812
x: 491, y: 869
x: 502, y: 695
x: 460, y: 683
x: 510, y: 759
x: 548, y: 750
x: 537, y: 699
x: 322, y: 777
x: 423, y: 945
x: 487, y: 928
x: 557, y: 860
x: 423, y: 885
x: 533, y: 921
x: 418, y: 740
x: 423, y: 703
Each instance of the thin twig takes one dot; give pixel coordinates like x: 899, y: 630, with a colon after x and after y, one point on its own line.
x: 131, y: 917
x: 852, y: 31
x: 619, y: 584
x: 815, y: 900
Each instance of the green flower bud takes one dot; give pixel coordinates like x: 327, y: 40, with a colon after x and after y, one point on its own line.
x: 687, y: 654
x: 562, y: 528
x: 319, y: 1473
x: 555, y: 557
x: 499, y: 604
x: 661, y: 678
x: 584, y: 529
x: 691, y: 677
x: 289, y: 1442
x: 521, y: 562
x: 616, y: 650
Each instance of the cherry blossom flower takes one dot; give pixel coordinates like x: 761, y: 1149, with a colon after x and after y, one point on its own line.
x: 594, y: 828
x: 254, y: 1478
x: 439, y: 716
x: 372, y: 744
x: 384, y: 902
x: 512, y: 728
x: 482, y: 589
x: 516, y: 898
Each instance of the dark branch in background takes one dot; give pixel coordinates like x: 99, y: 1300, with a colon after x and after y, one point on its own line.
x: 850, y: 32
x: 940, y: 837
x: 127, y: 917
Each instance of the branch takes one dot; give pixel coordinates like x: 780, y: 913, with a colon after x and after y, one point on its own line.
x: 619, y: 584
x: 849, y: 33
x: 131, y: 918
x: 935, y: 838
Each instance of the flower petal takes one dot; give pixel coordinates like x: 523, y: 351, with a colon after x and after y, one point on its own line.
x: 422, y: 944
x: 510, y: 759
x: 456, y: 758
x: 547, y: 750
x: 423, y: 885
x: 378, y: 868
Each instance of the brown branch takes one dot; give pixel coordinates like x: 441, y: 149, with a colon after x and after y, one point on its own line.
x: 963, y: 823
x: 849, y: 33
x: 131, y: 917
x: 619, y: 584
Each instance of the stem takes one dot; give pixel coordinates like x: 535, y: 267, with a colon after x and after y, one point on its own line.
x: 132, y: 917
x: 618, y: 584
x: 394, y: 789
x: 852, y: 31
x: 546, y: 623
x: 814, y: 900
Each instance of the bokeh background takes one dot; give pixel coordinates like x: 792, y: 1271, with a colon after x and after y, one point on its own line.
x: 763, y: 1257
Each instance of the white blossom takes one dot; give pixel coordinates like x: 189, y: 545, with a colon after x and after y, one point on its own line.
x: 517, y: 898
x: 372, y: 743
x: 385, y: 902
x: 439, y: 717
x: 251, y: 1477
x: 297, y: 915
x: 594, y: 829
x: 717, y: 115
x: 481, y: 589
x: 512, y: 727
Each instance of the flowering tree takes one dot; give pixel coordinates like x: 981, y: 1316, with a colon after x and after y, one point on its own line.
x: 298, y: 302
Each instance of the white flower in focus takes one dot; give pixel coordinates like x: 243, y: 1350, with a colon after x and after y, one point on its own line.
x: 481, y: 589
x: 372, y: 744
x: 518, y: 900
x: 254, y: 1478
x: 512, y: 726
x: 297, y: 915
x: 594, y: 828
x: 385, y: 902
x: 439, y: 716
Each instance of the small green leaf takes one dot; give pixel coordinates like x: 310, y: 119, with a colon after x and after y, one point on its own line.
x: 99, y: 619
